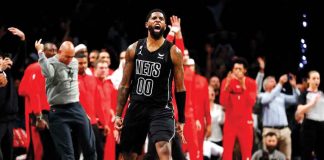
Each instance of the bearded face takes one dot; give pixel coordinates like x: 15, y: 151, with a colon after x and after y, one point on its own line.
x: 156, y: 31
x: 271, y: 143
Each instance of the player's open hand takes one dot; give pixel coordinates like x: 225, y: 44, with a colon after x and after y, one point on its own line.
x: 17, y: 32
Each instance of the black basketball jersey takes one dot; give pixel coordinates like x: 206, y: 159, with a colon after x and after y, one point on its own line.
x: 152, y: 75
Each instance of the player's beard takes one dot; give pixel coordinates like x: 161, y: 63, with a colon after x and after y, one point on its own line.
x: 156, y: 35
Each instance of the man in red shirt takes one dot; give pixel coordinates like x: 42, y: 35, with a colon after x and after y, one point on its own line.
x: 201, y: 106
x: 238, y: 95
x: 105, y: 56
x: 106, y: 98
x: 190, y: 129
x: 197, y: 90
x: 32, y: 87
x: 88, y: 94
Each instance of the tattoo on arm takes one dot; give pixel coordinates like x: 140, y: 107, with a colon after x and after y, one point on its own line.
x: 123, y: 90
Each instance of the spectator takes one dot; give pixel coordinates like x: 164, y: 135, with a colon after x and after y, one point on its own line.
x: 238, y: 96
x: 274, y: 110
x: 32, y: 88
x: 270, y: 152
x: 9, y: 96
x: 3, y: 76
x: 213, y: 147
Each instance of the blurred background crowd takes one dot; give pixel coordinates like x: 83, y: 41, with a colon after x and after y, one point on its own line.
x: 269, y: 28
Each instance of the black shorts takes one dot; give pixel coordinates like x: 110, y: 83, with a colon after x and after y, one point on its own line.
x: 143, y: 120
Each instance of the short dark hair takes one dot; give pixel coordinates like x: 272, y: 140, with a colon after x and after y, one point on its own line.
x: 270, y: 134
x: 239, y: 60
x: 47, y: 44
x: 5, y: 55
x: 154, y: 10
x: 80, y: 55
